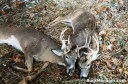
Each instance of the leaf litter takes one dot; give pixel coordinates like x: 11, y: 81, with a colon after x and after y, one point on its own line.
x: 112, y: 27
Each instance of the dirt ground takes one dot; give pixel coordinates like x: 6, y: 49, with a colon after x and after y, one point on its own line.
x: 112, y: 24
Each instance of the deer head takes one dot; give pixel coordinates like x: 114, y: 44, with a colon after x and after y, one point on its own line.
x: 87, y: 55
x: 69, y: 58
x: 67, y: 47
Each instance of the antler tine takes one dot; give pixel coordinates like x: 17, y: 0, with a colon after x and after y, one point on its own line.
x: 86, y: 45
x: 77, y: 51
x: 95, y: 54
x: 86, y: 40
x: 67, y: 47
x: 62, y: 34
x: 69, y: 40
x: 89, y: 44
x: 62, y: 39
x: 89, y: 40
x: 97, y: 42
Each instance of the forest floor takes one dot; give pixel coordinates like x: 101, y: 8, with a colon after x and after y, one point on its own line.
x: 112, y: 28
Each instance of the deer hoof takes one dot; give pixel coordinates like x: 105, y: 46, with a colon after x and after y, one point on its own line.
x: 25, y: 80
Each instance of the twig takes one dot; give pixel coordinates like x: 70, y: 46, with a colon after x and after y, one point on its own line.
x: 76, y: 80
x: 117, y: 29
x: 117, y: 51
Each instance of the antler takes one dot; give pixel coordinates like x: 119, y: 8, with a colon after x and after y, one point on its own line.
x: 65, y: 43
x: 93, y: 54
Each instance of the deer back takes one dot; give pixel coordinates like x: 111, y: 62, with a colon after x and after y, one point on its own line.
x: 84, y: 21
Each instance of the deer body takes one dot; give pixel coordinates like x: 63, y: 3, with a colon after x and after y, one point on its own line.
x: 29, y: 39
x: 82, y: 22
x: 77, y: 20
x: 36, y: 45
x: 79, y: 37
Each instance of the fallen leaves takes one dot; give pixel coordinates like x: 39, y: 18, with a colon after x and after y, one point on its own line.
x: 126, y: 46
x: 16, y: 58
x: 120, y: 24
x: 102, y: 32
x: 111, y: 23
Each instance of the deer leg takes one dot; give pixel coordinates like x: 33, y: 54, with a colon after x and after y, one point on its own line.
x: 30, y: 78
x: 42, y: 68
x: 56, y: 21
x: 28, y: 63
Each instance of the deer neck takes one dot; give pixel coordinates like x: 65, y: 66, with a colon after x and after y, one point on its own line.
x: 55, y: 59
x: 47, y: 55
x: 59, y: 60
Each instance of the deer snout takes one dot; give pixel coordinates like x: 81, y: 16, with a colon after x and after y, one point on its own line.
x: 71, y: 70
x: 83, y: 78
x: 84, y: 73
x: 45, y: 27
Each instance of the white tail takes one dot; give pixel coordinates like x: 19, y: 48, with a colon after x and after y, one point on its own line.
x: 38, y: 46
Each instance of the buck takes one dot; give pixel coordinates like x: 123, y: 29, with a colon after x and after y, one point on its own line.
x: 38, y: 46
x: 83, y: 39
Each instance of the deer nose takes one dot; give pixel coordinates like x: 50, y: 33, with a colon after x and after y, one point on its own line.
x: 71, y: 71
x: 83, y: 78
x: 45, y: 27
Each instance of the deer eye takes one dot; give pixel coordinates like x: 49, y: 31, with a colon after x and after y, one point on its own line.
x: 88, y: 65
x: 66, y: 57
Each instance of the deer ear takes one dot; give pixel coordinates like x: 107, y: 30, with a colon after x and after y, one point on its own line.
x: 57, y: 52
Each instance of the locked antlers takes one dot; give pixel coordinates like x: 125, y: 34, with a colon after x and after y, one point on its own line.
x: 92, y: 54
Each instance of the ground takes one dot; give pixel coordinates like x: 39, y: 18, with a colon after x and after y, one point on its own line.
x: 112, y: 30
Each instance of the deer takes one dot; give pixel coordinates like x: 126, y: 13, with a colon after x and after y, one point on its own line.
x: 36, y: 46
x: 83, y: 39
